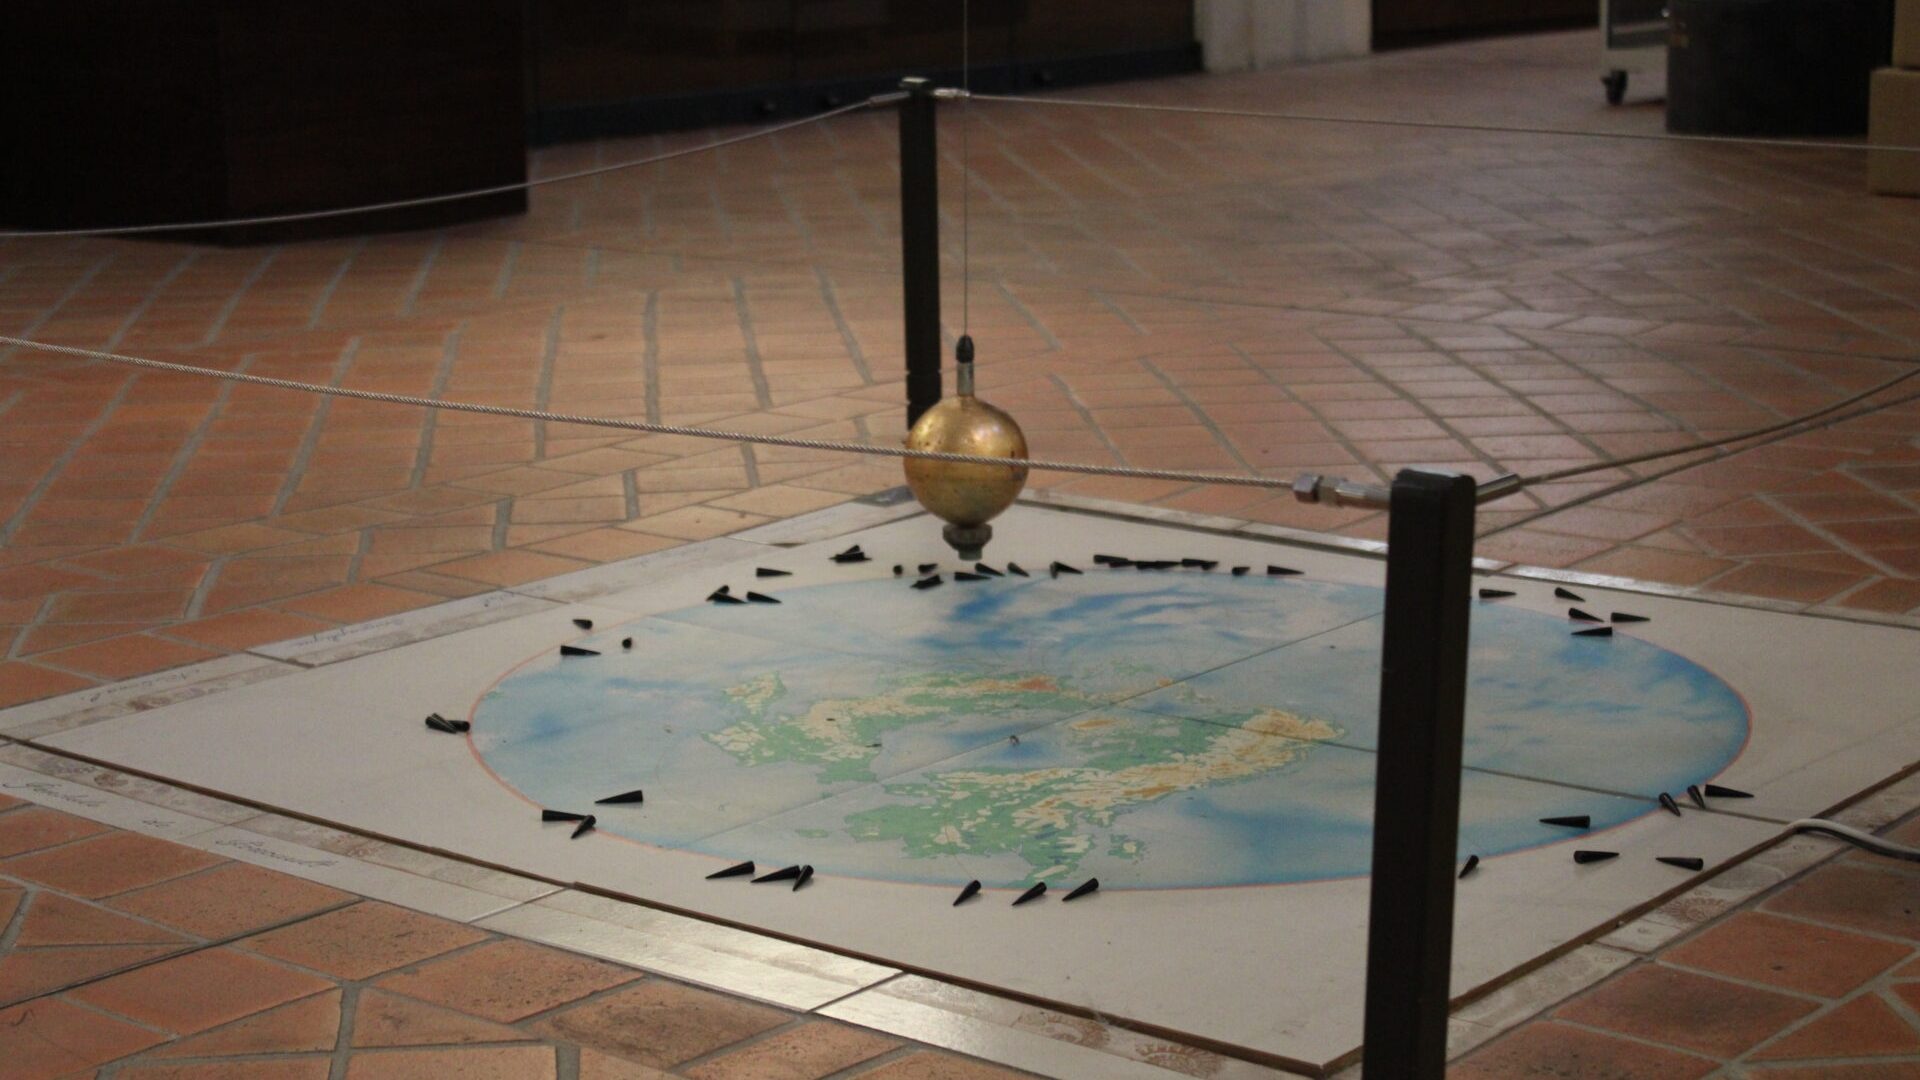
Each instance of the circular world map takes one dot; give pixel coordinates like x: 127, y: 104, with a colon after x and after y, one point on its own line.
x: 1158, y: 730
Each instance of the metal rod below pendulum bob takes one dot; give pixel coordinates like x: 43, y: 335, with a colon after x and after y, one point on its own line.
x: 966, y: 496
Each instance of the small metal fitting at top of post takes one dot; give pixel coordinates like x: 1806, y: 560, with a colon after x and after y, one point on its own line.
x: 1338, y: 491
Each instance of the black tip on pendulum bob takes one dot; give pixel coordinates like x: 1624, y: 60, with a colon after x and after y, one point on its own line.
x: 1472, y: 864
x: 561, y: 815
x: 584, y: 624
x: 1594, y: 631
x: 806, y: 875
x: 962, y: 575
x: 1572, y: 821
x: 898, y: 569
x: 1039, y: 889
x: 784, y: 874
x: 634, y: 796
x: 1718, y: 792
x: 967, y: 893
x: 1111, y: 560
x: 626, y: 643
x: 586, y: 826
x: 1684, y: 862
x: 983, y: 568
x: 760, y: 598
x: 1699, y: 800
x: 1569, y: 594
x: 725, y: 598
x: 1014, y: 569
x: 928, y: 567
x: 927, y: 582
x: 767, y: 571
x: 1495, y: 594
x: 1059, y: 568
x: 1584, y: 857
x: 1623, y: 617
x: 736, y: 870
x: 1281, y: 571
x: 1667, y: 804
x: 724, y: 590
x: 1577, y: 615
x: 851, y: 555
x: 1240, y: 571
x: 1203, y: 564
x: 575, y: 650
x: 436, y: 722
x: 1085, y: 888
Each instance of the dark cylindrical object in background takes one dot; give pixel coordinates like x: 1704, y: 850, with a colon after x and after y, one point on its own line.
x: 920, y: 245
x: 1774, y: 67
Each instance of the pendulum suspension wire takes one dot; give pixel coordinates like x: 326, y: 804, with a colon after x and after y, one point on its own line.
x: 1182, y: 476
x: 456, y: 196
x: 966, y: 168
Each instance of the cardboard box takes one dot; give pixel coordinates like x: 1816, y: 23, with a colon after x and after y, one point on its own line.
x: 1906, y: 33
x: 1893, y: 119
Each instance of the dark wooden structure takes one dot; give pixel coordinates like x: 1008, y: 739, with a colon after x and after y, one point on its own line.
x: 138, y: 111
x: 124, y: 112
x: 1402, y: 23
x: 598, y: 67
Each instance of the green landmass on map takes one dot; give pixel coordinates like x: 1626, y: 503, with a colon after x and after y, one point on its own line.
x: 1046, y: 816
x: 843, y: 736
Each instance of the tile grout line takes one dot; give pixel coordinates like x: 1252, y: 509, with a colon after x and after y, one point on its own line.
x: 1772, y: 501
x: 429, y: 424
x: 333, y: 283
x: 650, y: 354
x: 418, y: 283
x: 543, y: 382
x: 847, y: 336
x: 184, y: 456
x: 756, y: 370
x: 233, y: 303
x: 303, y: 455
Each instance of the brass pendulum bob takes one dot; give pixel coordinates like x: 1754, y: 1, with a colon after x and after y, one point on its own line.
x: 966, y: 496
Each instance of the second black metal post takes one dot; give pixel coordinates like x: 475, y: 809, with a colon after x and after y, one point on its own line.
x: 920, y: 244
x: 1416, y: 805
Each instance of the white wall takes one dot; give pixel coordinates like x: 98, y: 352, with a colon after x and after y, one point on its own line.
x: 1247, y: 35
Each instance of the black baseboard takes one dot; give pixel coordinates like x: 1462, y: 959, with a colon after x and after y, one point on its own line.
x: 1413, y: 39
x: 788, y: 101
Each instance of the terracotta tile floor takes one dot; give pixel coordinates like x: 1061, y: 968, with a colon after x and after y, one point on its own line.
x: 1818, y: 977
x: 1150, y: 289
x: 1154, y: 290
x: 197, y: 968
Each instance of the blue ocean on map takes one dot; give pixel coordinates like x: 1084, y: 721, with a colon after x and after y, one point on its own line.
x: 1158, y: 730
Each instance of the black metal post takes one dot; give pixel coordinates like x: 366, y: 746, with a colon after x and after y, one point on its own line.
x: 920, y: 245
x: 1416, y: 804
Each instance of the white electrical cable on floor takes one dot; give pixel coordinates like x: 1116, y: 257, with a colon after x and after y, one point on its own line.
x: 1859, y: 838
